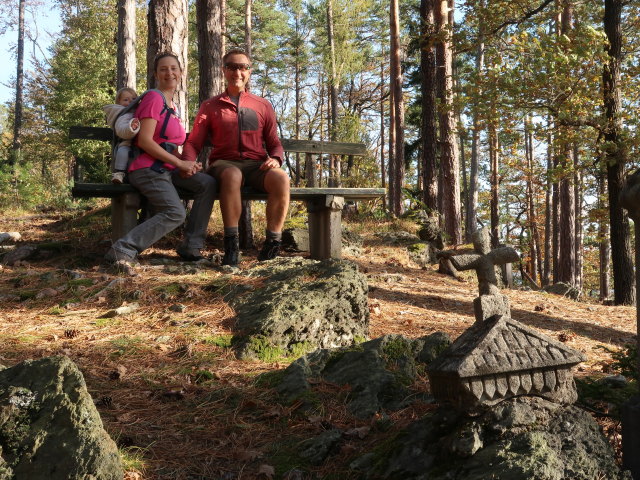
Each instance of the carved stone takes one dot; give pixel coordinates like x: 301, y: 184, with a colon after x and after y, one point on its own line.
x: 501, y: 358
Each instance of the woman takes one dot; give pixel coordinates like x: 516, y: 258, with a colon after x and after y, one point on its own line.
x: 156, y: 173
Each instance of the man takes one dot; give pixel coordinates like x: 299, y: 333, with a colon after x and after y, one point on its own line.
x: 246, y: 151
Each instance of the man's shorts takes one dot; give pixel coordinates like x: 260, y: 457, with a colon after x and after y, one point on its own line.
x: 252, y: 176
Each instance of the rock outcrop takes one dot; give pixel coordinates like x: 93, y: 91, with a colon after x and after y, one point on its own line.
x: 302, y: 305
x: 49, y: 426
x: 378, y: 371
x: 521, y: 438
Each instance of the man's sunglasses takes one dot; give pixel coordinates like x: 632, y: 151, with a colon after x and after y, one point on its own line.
x: 237, y: 66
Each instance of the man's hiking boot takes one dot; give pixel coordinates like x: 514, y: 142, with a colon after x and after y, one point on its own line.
x: 189, y: 254
x: 231, y: 250
x: 270, y: 250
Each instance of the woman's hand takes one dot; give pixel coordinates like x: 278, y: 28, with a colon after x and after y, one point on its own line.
x: 188, y: 169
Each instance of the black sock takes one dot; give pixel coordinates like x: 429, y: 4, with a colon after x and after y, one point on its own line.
x: 277, y: 236
x: 230, y: 231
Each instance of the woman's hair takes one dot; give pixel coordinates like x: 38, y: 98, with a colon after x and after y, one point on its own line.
x: 124, y: 90
x: 235, y: 51
x: 160, y: 56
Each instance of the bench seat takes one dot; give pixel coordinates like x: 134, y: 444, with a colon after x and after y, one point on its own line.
x: 324, y: 207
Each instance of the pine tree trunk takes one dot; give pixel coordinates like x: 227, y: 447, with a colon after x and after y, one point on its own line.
x: 383, y: 173
x: 472, y: 198
x: 210, y: 23
x: 17, y: 116
x: 397, y: 113
x: 493, y: 159
x: 449, y: 162
x: 245, y: 225
x: 531, y: 207
x: 604, y: 245
x: 549, y: 226
x: 126, y: 56
x: 577, y: 191
x: 168, y: 33
x: 429, y: 132
x: 334, y: 160
x: 615, y: 159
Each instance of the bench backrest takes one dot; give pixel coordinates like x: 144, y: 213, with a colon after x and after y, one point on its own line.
x: 289, y: 145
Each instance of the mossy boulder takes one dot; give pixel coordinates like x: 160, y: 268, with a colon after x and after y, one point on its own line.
x: 49, y: 426
x: 302, y: 305
x: 525, y: 437
x: 379, y: 372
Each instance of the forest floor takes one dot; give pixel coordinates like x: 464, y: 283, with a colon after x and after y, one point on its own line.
x: 167, y: 385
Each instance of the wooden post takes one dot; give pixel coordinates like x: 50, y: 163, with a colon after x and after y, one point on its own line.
x: 124, y: 214
x: 325, y: 227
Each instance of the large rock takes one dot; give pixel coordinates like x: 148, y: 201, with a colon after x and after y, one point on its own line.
x: 563, y: 289
x: 431, y: 232
x: 521, y: 438
x: 378, y: 371
x: 49, y: 426
x: 302, y: 305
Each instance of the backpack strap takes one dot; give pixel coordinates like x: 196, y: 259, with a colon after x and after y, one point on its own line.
x: 170, y: 111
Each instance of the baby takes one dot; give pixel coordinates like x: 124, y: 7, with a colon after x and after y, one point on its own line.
x: 126, y: 127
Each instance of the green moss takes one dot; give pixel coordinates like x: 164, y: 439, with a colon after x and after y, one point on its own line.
x: 202, y: 376
x: 338, y: 354
x: 593, y: 394
x: 358, y: 339
x: 396, y: 349
x: 417, y: 247
x: 106, y: 322
x: 56, y: 310
x: 223, y: 341
x: 297, y: 350
x: 269, y: 379
x: 133, y: 459
x: 170, y: 288
x: 264, y: 350
x: 284, y: 456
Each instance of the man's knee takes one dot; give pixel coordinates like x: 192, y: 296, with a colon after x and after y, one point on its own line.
x: 231, y: 177
x: 277, y: 181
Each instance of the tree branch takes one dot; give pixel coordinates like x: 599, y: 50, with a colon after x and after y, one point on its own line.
x: 526, y: 16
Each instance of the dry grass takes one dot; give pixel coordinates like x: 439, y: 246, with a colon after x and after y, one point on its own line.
x: 169, y: 389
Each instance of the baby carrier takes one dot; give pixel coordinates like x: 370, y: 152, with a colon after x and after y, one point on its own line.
x: 135, y: 151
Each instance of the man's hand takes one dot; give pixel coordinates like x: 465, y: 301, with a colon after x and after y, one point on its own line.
x: 269, y: 163
x: 188, y: 169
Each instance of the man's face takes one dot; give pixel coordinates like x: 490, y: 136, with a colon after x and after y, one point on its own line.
x: 237, y: 71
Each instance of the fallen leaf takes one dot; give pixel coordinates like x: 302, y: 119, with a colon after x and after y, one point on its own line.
x: 248, y: 455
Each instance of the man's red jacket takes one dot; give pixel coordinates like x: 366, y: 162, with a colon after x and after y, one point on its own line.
x: 248, y: 130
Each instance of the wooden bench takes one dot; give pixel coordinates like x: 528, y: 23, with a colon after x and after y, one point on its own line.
x: 324, y: 205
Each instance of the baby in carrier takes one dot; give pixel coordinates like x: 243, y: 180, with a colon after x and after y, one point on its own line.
x: 125, y: 127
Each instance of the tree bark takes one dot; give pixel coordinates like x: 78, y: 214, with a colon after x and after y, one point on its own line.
x: 604, y: 245
x: 210, y: 21
x: 383, y: 173
x: 334, y: 160
x: 449, y: 162
x: 494, y: 181
x: 126, y: 57
x: 168, y: 33
x: 577, y: 191
x: 17, y: 115
x: 472, y: 197
x: 531, y: 207
x: 429, y: 133
x: 549, y: 226
x: 398, y: 107
x: 615, y: 158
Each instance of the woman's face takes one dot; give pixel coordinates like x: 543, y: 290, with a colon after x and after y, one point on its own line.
x: 168, y: 73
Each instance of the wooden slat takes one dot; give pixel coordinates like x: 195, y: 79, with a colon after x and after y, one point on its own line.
x: 311, y: 146
x: 289, y: 145
x: 91, y: 133
x: 110, y: 190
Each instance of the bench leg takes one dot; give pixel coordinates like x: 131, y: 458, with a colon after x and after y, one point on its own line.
x: 124, y: 214
x: 325, y: 227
